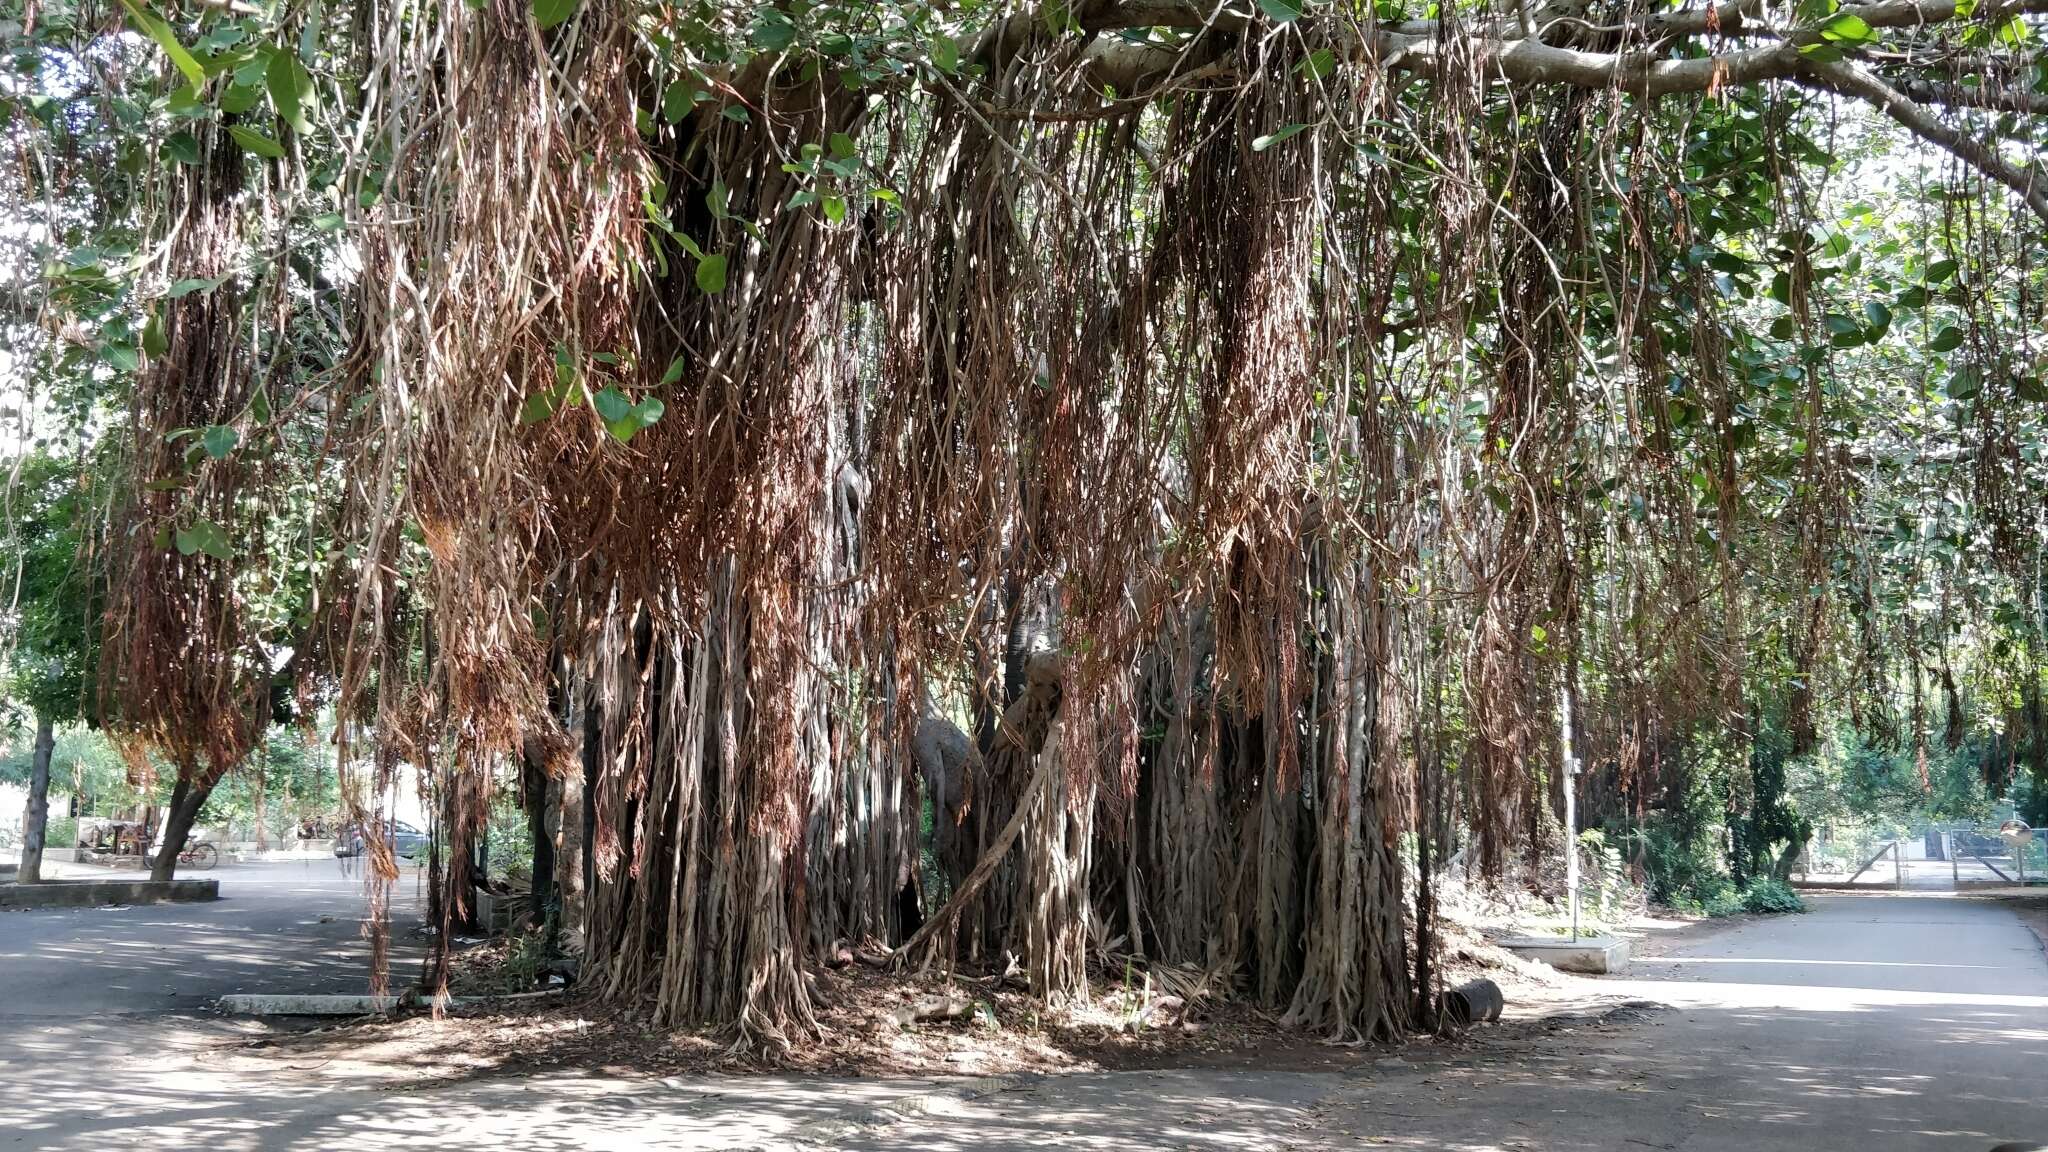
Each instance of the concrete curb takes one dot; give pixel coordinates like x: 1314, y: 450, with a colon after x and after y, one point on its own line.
x: 94, y: 893
x: 295, y: 1004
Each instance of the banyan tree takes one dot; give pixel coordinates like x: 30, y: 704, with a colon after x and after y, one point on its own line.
x: 1171, y: 462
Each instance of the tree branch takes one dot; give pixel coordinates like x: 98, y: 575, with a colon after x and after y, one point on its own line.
x: 1841, y: 76
x: 1518, y: 58
x: 2017, y: 100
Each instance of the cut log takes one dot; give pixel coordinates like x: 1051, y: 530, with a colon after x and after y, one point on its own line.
x: 950, y: 1006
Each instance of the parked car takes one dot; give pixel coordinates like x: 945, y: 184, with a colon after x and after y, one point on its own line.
x: 406, y: 840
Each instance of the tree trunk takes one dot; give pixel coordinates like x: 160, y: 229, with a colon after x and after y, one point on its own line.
x: 571, y: 856
x: 535, y: 783
x: 262, y: 816
x: 186, y: 801
x: 462, y: 821
x: 37, y: 819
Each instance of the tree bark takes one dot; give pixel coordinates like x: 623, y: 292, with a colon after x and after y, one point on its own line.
x: 36, y: 820
x: 570, y: 818
x: 535, y: 782
x: 262, y: 815
x: 186, y: 801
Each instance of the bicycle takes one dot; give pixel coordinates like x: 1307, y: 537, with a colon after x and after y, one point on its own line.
x: 200, y: 854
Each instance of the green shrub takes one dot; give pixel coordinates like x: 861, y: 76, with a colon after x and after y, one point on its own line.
x: 61, y: 832
x: 1726, y: 902
x: 1766, y: 895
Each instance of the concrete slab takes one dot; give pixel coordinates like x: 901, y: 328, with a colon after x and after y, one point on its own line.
x: 281, y: 1004
x: 1596, y: 955
x: 93, y: 893
x: 286, y: 1004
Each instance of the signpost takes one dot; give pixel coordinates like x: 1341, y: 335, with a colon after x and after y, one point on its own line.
x: 2019, y: 835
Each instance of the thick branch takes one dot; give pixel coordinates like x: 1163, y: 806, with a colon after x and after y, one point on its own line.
x: 1846, y: 78
x: 1516, y: 58
x: 2016, y: 100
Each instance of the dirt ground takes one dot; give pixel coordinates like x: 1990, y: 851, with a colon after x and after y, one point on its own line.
x: 1174, y: 1021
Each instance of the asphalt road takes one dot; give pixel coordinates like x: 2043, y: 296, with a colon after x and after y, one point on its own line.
x: 282, y: 926
x: 1871, y: 1024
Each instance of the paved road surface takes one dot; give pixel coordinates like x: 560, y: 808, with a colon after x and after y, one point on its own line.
x: 1871, y: 1024
x: 283, y: 926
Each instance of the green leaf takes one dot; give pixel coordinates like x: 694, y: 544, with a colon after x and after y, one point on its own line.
x: 1059, y: 17
x: 184, y: 288
x: 945, y: 54
x: 548, y: 13
x: 154, y: 342
x: 122, y: 356
x: 1940, y: 270
x: 1880, y: 317
x: 641, y: 416
x: 1281, y: 11
x: 677, y: 100
x: 1840, y: 324
x: 237, y: 99
x: 1264, y: 142
x: 218, y: 440
x: 1963, y: 383
x: 256, y: 142
x: 186, y: 104
x: 328, y: 222
x: 623, y: 418
x: 611, y: 405
x: 1847, y: 26
x: 250, y: 73
x: 183, y: 147
x: 842, y: 145
x: 1783, y: 328
x: 675, y: 371
x: 1947, y: 340
x: 291, y: 90
x: 711, y: 273
x: 835, y: 208
x: 773, y: 32
x: 161, y: 32
x: 1319, y: 64
x: 540, y: 405
x: 204, y: 536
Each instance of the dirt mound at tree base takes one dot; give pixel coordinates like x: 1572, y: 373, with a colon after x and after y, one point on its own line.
x: 997, y: 1029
